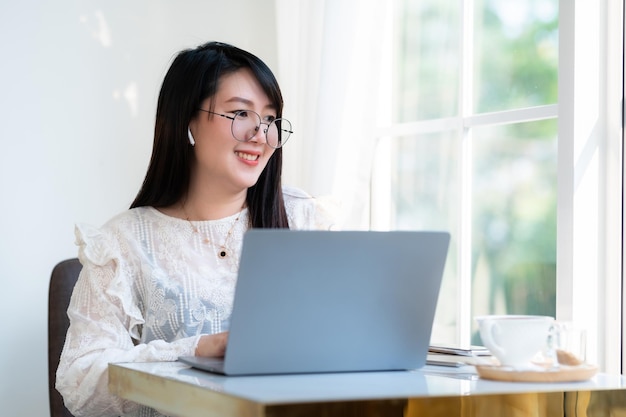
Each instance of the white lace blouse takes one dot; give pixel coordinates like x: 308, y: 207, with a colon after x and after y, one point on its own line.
x: 151, y: 284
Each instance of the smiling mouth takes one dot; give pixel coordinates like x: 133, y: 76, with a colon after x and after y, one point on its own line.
x: 247, y: 156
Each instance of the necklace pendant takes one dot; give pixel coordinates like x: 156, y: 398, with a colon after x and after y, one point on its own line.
x: 222, y: 252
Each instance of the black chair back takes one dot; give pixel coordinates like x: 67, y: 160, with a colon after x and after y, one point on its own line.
x: 62, y: 281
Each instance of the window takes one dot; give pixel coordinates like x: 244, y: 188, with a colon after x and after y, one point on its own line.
x: 455, y: 103
x: 472, y: 148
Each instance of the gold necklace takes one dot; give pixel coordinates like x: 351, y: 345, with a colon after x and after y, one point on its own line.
x: 222, y: 252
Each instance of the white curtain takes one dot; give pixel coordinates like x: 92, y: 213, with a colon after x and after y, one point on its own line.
x: 332, y: 68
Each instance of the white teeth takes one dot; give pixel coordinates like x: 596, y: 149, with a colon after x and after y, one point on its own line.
x: 247, y: 156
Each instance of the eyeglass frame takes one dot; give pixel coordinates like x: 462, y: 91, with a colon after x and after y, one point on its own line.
x: 236, y: 113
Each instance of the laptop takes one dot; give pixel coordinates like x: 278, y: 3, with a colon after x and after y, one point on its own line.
x: 332, y: 301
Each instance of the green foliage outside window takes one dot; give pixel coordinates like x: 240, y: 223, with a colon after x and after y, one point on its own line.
x: 513, y: 166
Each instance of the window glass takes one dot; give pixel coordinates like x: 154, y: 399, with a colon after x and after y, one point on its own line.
x: 425, y: 195
x: 515, y: 54
x: 514, y: 192
x: 427, y: 71
x: 508, y: 174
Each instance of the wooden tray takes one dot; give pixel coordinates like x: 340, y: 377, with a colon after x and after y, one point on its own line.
x: 562, y: 374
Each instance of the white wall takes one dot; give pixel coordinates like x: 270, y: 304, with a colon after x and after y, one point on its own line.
x: 79, y: 82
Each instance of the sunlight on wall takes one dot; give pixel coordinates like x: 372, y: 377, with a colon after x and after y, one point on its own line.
x: 101, y: 31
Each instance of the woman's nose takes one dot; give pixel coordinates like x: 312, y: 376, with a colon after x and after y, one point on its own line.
x: 260, y: 134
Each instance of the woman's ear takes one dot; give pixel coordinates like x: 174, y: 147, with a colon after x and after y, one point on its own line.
x: 192, y: 141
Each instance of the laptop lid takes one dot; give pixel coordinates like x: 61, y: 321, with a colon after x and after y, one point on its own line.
x: 334, y: 301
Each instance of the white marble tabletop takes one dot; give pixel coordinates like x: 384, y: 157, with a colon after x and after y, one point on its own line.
x: 429, y: 381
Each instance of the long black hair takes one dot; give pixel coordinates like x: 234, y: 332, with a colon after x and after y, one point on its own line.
x: 192, y: 78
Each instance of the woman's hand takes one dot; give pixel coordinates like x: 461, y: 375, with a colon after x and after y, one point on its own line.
x: 212, y: 345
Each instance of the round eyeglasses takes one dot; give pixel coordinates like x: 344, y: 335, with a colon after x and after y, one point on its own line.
x: 246, y: 123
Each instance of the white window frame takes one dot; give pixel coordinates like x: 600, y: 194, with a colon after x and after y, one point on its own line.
x: 590, y: 189
x: 590, y: 174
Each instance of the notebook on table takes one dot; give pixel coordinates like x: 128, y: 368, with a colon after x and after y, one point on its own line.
x: 332, y: 301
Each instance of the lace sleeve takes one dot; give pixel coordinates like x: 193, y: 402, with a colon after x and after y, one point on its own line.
x: 310, y: 213
x: 105, y: 319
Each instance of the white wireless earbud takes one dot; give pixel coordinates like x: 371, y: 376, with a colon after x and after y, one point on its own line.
x: 192, y: 141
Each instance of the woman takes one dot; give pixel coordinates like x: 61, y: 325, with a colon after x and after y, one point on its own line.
x: 158, y: 280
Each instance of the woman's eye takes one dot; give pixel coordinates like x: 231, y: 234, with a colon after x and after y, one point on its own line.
x: 270, y: 119
x: 242, y: 113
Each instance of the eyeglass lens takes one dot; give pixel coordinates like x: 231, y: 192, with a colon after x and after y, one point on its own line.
x: 247, y: 123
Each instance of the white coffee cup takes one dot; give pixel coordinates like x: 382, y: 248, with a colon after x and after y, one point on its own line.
x: 514, y: 339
